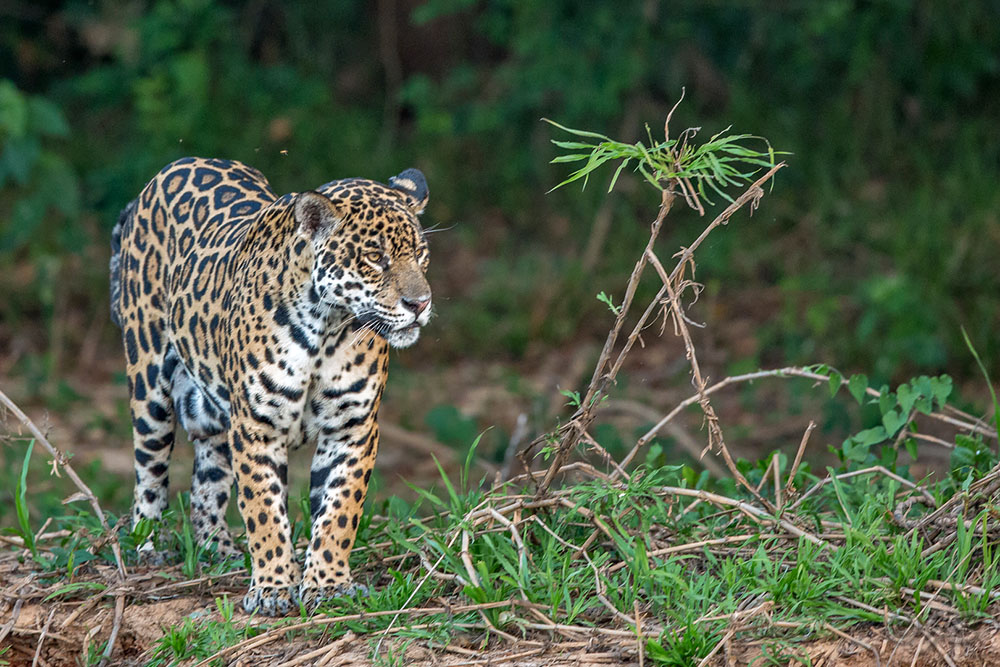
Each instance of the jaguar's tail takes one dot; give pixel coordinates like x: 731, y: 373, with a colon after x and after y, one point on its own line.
x: 116, y: 261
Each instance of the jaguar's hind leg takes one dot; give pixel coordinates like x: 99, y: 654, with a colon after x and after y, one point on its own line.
x: 153, y: 423
x: 211, y: 485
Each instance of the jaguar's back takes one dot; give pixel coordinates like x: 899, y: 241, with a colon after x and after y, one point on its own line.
x: 192, y: 201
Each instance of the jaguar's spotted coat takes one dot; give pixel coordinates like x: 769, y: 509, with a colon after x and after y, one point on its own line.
x: 263, y: 323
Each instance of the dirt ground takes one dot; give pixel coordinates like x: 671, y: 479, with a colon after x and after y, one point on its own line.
x: 58, y: 635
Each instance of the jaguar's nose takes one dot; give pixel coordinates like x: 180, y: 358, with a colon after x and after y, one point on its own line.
x: 416, y: 306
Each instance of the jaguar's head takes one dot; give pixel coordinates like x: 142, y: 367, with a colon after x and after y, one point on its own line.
x: 369, y: 251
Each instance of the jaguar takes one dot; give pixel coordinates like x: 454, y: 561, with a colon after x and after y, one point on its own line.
x: 259, y: 324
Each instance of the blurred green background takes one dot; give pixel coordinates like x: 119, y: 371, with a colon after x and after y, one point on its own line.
x: 876, y: 245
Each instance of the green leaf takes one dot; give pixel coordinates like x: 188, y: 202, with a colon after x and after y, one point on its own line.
x: 893, y: 420
x: 572, y: 145
x: 579, y: 133
x: 62, y: 185
x: 21, y: 503
x: 76, y: 586
x: 26, y: 216
x: 13, y: 110
x: 656, y: 651
x: 858, y: 385
x: 906, y: 397
x: 854, y: 451
x: 835, y: 381
x: 989, y: 384
x: 573, y: 396
x: 20, y: 154
x: 941, y: 387
x: 856, y: 447
x: 609, y: 302
x: 45, y: 118
x: 872, y: 436
x: 886, y: 401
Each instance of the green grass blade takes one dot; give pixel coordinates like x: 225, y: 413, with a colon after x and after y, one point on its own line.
x: 21, y: 503
x: 989, y: 385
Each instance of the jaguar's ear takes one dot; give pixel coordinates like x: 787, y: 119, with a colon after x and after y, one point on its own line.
x: 315, y: 214
x: 413, y: 185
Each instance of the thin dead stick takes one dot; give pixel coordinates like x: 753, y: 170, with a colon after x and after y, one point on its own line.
x: 467, y: 560
x: 741, y: 616
x: 600, y: 380
x: 929, y: 438
x: 716, y: 442
x: 639, y: 646
x: 683, y: 438
x: 916, y: 654
x: 711, y: 654
x: 976, y: 426
x: 5, y: 630
x: 327, y: 650
x: 789, y: 486
x: 60, y: 459
x: 692, y: 546
x: 83, y: 608
x: 41, y: 638
x: 115, y: 627
x: 605, y: 456
x: 947, y: 586
x: 929, y: 600
x: 751, y: 195
x: 887, y: 615
x: 763, y: 477
x: 16, y: 541
x: 749, y: 509
x: 865, y: 471
x: 777, y: 483
x: 937, y: 647
x: 578, y: 629
x: 419, y: 585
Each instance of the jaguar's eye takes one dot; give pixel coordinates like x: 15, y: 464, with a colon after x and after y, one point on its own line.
x: 377, y: 257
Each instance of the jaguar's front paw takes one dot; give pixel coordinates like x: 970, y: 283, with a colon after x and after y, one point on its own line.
x: 313, y: 596
x: 270, y: 600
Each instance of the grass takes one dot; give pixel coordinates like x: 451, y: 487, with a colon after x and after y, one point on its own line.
x: 595, y: 553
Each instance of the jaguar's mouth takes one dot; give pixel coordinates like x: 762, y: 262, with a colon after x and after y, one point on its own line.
x: 396, y: 336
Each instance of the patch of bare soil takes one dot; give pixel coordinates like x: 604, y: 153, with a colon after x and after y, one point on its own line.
x: 58, y: 634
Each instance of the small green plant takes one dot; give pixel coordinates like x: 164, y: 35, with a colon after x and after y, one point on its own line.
x: 193, y: 639
x: 609, y: 302
x: 23, y: 528
x: 715, y: 164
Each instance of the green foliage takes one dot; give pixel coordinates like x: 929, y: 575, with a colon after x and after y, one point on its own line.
x: 200, y: 640
x: 896, y: 411
x: 40, y: 189
x: 21, y: 505
x: 876, y: 251
x: 986, y: 376
x: 715, y: 163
